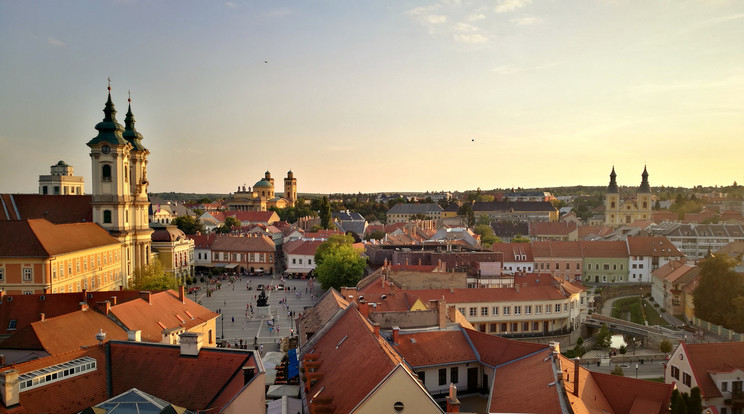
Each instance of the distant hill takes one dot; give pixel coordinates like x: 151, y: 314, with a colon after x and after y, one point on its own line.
x: 171, y: 196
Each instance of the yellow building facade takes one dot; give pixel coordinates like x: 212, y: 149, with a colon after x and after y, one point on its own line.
x: 621, y: 211
x: 262, y: 195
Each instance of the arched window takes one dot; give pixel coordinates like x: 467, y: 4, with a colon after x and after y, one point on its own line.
x: 106, y: 173
x: 107, y: 216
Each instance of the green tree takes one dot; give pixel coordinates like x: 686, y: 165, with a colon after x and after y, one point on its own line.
x: 486, y: 233
x: 188, y: 224
x: 325, y: 213
x: 342, y: 265
x: 695, y: 402
x: 153, y: 277
x: 579, y: 349
x: 419, y: 216
x: 719, y: 286
x: 228, y: 226
x: 466, y: 209
x: 604, y: 337
x: 376, y: 235
x: 335, y: 241
x: 676, y: 402
x: 618, y: 370
x: 520, y: 239
x: 665, y: 346
x: 483, y: 219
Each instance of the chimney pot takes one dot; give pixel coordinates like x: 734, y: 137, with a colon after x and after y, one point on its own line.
x: 182, y: 293
x: 10, y: 388
x: 577, y: 363
x: 396, y: 332
x: 43, y: 317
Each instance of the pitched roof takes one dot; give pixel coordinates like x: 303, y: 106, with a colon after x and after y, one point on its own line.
x: 253, y: 216
x: 561, y: 249
x: 521, y: 386
x: 587, y: 230
x: 40, y: 238
x: 25, y: 309
x: 302, y: 247
x: 323, y: 310
x: 652, y: 246
x: 552, y: 228
x: 604, y: 249
x: 164, y: 308
x: 202, y: 241
x: 57, y: 209
x: 510, y: 228
x: 192, y: 382
x: 514, y: 252
x: 405, y: 208
x: 423, y: 349
x: 353, y: 361
x: 65, y: 333
x: 513, y: 206
x: 243, y: 244
x: 614, y: 394
x: 495, y: 350
x: 713, y: 358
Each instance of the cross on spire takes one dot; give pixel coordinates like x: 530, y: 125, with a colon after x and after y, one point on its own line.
x: 109, y: 83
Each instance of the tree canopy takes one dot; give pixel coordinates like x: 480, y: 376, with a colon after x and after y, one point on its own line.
x: 486, y: 233
x: 604, y: 337
x: 338, y: 263
x: 325, y: 213
x: 188, y: 224
x: 719, y: 296
x: 153, y: 277
x: 229, y: 225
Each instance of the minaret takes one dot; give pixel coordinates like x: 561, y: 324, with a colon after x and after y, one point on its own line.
x: 290, y: 188
x: 267, y: 177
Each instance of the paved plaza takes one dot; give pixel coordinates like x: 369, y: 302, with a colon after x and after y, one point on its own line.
x: 233, y: 301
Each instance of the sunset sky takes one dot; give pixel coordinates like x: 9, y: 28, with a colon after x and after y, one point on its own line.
x: 380, y: 95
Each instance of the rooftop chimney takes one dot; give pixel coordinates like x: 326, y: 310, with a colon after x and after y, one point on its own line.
x: 146, y: 295
x: 113, y: 300
x: 191, y: 343
x: 9, y: 388
x: 442, y: 313
x: 42, y: 317
x: 396, y: 332
x: 577, y: 363
x: 83, y: 306
x: 452, y: 312
x: 182, y: 293
x: 453, y: 404
x: 364, y: 308
x: 104, y: 307
x: 134, y: 336
x: 376, y: 329
x: 248, y: 373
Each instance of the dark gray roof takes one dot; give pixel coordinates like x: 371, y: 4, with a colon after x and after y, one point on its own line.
x: 348, y: 216
x: 402, y: 208
x: 513, y: 206
x: 509, y: 228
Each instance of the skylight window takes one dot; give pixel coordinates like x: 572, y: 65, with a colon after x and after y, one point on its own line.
x: 54, y: 373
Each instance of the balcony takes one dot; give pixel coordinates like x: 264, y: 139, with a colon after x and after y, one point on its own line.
x: 736, y: 400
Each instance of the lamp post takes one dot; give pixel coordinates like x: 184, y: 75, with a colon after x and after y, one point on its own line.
x: 636, y: 371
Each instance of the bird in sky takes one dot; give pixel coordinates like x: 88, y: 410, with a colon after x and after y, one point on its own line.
x: 473, y: 139
x: 266, y: 61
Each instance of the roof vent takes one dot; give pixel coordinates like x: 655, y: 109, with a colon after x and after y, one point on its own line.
x: 90, y: 295
x: 10, y: 298
x: 383, y: 297
x: 42, y: 297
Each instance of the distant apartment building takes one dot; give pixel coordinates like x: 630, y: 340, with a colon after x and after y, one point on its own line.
x: 696, y: 240
x: 516, y: 211
x: 402, y: 212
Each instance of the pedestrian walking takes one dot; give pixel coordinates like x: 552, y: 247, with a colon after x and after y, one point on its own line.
x: 233, y: 320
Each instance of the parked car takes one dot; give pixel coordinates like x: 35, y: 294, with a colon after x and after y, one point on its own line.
x: 260, y: 287
x: 280, y: 287
x: 194, y: 289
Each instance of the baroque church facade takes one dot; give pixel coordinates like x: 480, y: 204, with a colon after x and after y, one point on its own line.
x: 262, y: 196
x: 119, y: 187
x: 625, y: 210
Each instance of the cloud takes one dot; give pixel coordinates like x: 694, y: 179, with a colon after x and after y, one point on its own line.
x: 56, y: 42
x: 476, y: 16
x: 526, y: 21
x: 231, y: 4
x: 435, y: 19
x: 510, y: 5
x: 472, y: 38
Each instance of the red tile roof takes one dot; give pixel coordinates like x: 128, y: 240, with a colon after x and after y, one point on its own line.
x: 612, y: 393
x: 40, y: 238
x: 243, y: 244
x: 713, y: 358
x: 65, y: 333
x: 195, y: 383
x: 57, y: 209
x: 495, y: 350
x: 562, y: 249
x: 25, y: 309
x: 302, y: 247
x: 353, y: 361
x: 602, y: 249
x: 552, y: 228
x: 322, y: 234
x: 652, y: 246
x: 67, y: 396
x: 203, y: 241
x: 246, y: 217
x: 433, y: 348
x: 164, y: 308
x: 587, y: 230
x: 522, y: 386
x: 511, y: 251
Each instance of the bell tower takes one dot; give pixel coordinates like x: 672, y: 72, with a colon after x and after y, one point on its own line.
x: 290, y: 188
x: 612, y: 200
x: 119, y: 200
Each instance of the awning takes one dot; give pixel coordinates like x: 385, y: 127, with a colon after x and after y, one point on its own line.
x: 301, y: 270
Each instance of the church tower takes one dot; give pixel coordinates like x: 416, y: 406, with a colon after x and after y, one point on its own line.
x: 625, y: 211
x: 290, y: 188
x: 119, y: 201
x: 612, y: 200
x: 644, y: 194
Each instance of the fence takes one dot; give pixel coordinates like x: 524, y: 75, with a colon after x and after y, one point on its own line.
x: 724, y: 333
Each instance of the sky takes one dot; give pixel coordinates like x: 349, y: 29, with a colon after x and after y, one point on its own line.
x: 372, y: 96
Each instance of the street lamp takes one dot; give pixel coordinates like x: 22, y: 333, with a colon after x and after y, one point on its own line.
x: 636, y: 371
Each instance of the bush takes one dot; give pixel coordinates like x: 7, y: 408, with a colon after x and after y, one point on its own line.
x: 656, y: 305
x: 650, y: 298
x: 623, y: 349
x: 617, y: 371
x: 662, y: 310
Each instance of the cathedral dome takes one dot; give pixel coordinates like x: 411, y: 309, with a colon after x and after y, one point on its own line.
x: 262, y: 183
x: 168, y: 234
